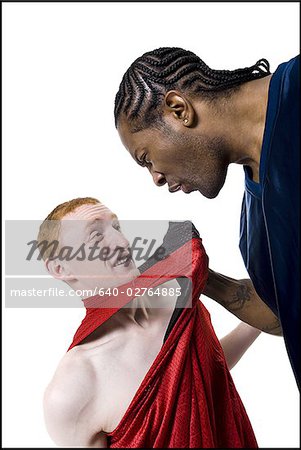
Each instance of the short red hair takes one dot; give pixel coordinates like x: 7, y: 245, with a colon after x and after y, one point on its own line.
x: 49, y: 231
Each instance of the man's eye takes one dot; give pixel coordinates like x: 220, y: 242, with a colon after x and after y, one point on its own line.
x: 144, y: 161
x: 95, y: 235
x: 116, y: 226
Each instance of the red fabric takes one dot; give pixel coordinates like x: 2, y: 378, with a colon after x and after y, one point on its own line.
x: 99, y: 309
x: 187, y: 398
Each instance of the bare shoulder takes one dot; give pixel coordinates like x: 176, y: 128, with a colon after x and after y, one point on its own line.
x: 69, y: 402
x: 72, y: 380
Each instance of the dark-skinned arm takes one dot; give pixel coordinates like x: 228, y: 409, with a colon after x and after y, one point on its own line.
x: 240, y: 298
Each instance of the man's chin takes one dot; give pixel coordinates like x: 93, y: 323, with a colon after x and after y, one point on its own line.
x: 209, y: 195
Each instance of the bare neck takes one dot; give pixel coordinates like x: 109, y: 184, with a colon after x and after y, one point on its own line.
x: 139, y: 314
x: 240, y: 122
x: 133, y: 316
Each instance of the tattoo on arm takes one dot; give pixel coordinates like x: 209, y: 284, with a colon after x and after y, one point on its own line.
x: 239, y: 298
x: 273, y: 328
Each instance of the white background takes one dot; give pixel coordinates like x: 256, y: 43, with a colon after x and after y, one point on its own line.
x: 62, y: 65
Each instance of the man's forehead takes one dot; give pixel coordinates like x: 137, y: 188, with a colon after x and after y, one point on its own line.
x: 90, y: 212
x: 131, y: 141
x: 125, y: 134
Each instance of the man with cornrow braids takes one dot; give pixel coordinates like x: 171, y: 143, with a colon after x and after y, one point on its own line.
x: 187, y: 123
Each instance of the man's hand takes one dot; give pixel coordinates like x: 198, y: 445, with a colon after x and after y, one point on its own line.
x: 240, y: 298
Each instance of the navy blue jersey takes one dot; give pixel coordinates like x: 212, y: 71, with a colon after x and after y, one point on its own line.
x: 270, y: 217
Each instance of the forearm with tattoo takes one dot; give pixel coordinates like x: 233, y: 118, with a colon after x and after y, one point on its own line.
x: 240, y: 298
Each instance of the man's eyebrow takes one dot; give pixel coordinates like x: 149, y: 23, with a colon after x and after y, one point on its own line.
x: 90, y: 223
x: 136, y: 157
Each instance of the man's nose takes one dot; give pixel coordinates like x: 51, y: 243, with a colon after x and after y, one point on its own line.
x: 159, y: 178
x: 117, y: 239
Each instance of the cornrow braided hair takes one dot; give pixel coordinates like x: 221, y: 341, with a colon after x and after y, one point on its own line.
x: 147, y: 80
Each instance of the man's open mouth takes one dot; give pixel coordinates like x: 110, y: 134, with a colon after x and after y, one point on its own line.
x: 122, y: 260
x: 174, y: 188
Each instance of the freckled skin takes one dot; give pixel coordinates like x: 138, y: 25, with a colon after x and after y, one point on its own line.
x: 93, y: 226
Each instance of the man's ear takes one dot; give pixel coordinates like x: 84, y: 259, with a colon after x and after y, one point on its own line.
x: 57, y: 269
x: 180, y: 107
